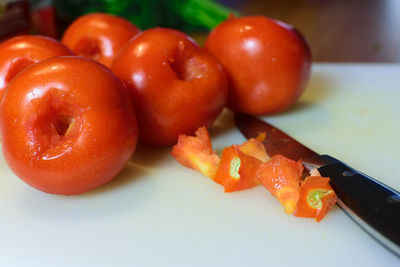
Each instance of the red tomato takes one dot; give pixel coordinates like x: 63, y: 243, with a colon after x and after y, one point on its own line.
x: 267, y: 63
x: 67, y: 125
x: 176, y: 86
x: 99, y: 36
x: 19, y: 52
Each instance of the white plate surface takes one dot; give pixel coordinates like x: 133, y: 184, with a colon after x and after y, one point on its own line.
x: 159, y: 213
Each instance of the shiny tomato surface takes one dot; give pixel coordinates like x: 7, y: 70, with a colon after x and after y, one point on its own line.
x: 99, y: 36
x: 175, y: 85
x: 19, y: 52
x: 267, y: 63
x: 67, y: 125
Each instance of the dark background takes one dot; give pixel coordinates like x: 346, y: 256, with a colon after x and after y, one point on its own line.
x: 337, y: 30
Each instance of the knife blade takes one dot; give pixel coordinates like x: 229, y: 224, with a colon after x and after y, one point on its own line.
x: 370, y: 203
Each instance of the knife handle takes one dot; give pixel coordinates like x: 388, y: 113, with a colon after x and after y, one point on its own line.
x: 373, y: 205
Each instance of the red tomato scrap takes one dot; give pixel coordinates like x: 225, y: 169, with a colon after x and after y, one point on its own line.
x: 255, y: 148
x: 281, y: 176
x: 236, y: 170
x: 316, y: 198
x: 196, y: 152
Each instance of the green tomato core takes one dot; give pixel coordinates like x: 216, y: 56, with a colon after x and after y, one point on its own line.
x: 234, y: 168
x: 314, y: 198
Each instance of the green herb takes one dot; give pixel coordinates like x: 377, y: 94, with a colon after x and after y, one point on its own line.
x: 185, y: 15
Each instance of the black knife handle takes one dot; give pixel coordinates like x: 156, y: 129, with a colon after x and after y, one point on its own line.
x: 373, y: 205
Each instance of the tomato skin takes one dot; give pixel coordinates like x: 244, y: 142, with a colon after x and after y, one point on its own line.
x: 176, y: 86
x: 267, y: 63
x: 99, y: 36
x: 19, y: 52
x: 37, y: 143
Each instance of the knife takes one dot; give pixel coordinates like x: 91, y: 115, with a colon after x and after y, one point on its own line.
x: 370, y: 203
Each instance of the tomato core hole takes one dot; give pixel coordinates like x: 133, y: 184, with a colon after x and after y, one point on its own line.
x: 187, y: 69
x: 178, y: 67
x: 88, y: 48
x: 63, y: 125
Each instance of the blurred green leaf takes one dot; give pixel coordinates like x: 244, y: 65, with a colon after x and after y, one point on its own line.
x: 185, y: 15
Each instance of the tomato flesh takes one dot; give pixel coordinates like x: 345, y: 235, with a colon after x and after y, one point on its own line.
x: 196, y: 152
x: 281, y: 176
x: 236, y: 170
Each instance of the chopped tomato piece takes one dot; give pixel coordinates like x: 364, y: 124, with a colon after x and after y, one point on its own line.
x: 255, y: 148
x: 281, y: 176
x: 316, y: 198
x: 196, y: 152
x: 236, y: 170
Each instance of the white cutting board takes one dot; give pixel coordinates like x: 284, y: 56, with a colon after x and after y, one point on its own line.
x: 159, y: 213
